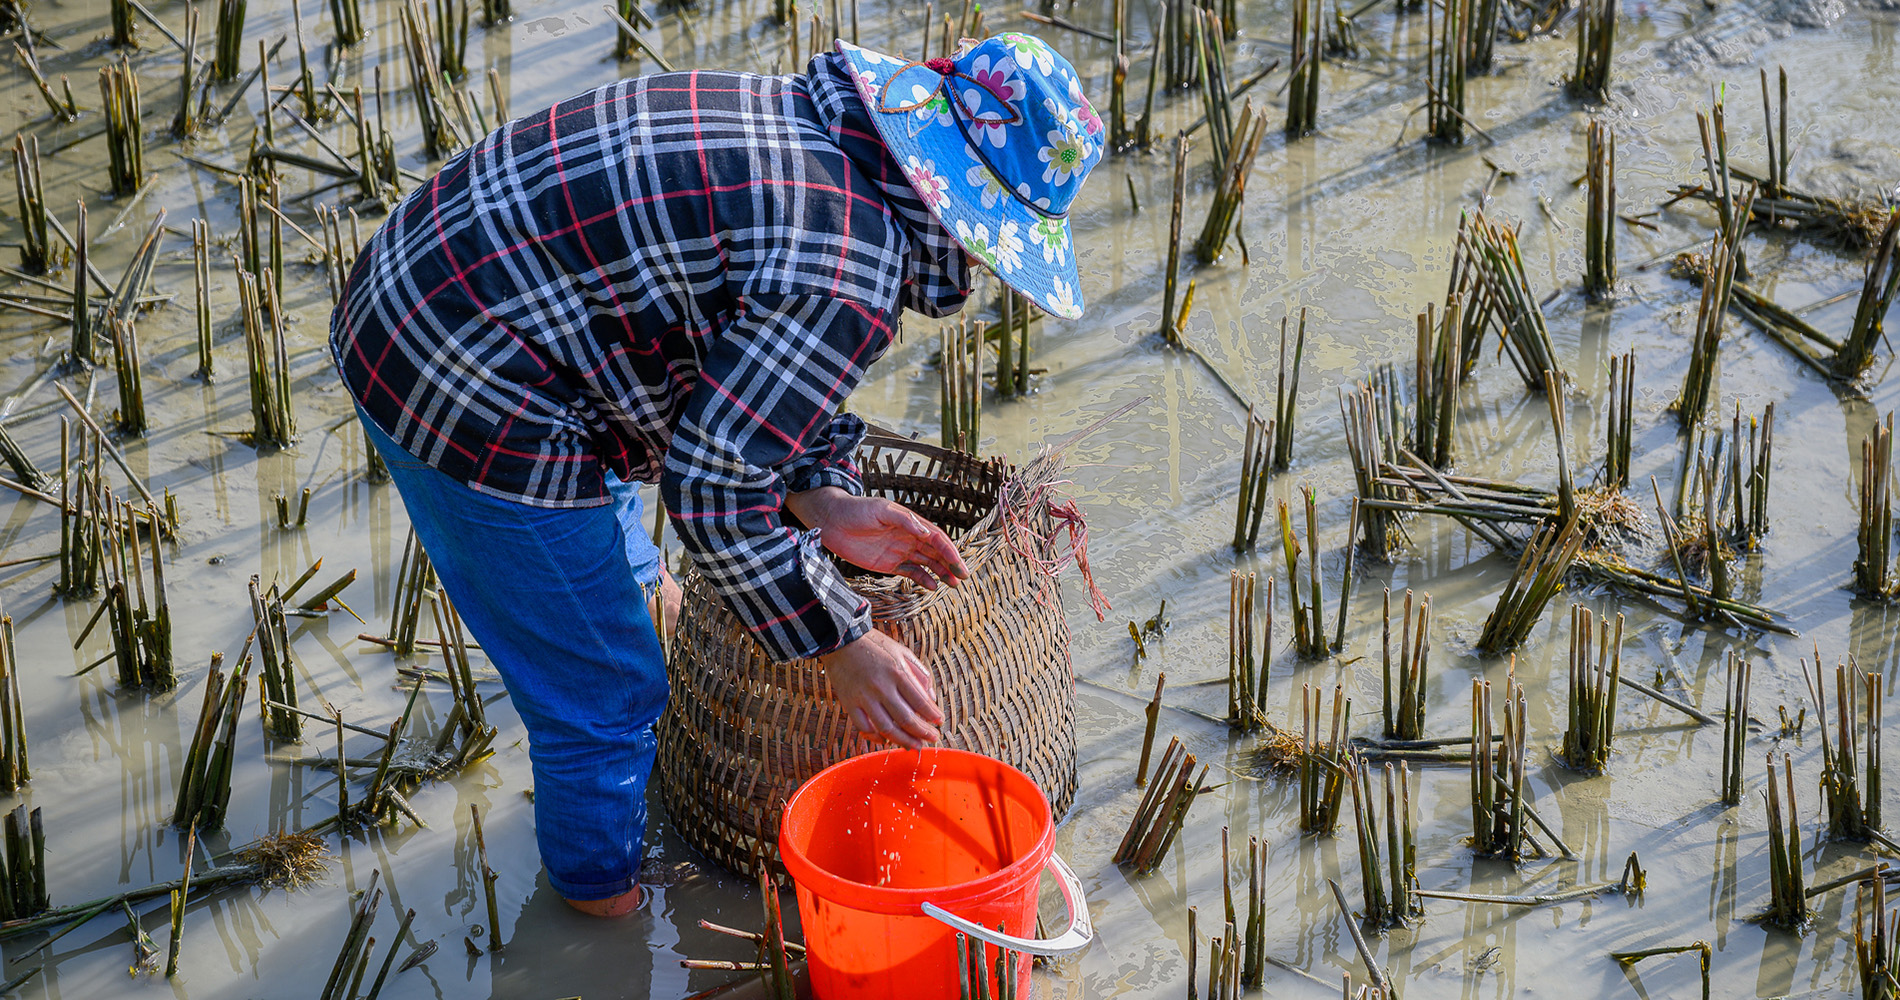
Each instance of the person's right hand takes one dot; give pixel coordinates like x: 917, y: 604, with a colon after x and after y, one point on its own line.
x: 885, y: 690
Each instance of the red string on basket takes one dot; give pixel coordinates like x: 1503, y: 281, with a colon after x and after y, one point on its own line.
x: 1068, y: 517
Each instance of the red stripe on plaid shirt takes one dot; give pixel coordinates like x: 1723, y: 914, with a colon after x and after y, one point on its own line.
x: 541, y: 308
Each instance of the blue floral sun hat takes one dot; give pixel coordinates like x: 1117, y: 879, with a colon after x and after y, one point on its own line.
x: 996, y: 141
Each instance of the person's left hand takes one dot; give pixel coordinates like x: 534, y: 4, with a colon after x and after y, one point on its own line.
x: 880, y: 535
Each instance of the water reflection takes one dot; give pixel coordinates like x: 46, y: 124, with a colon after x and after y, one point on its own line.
x: 1779, y: 955
x: 1490, y: 935
x: 1873, y: 639
x: 1722, y: 891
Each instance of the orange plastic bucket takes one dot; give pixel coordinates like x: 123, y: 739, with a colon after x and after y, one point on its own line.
x: 893, y: 852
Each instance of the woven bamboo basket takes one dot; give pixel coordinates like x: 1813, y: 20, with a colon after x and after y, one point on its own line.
x: 741, y: 733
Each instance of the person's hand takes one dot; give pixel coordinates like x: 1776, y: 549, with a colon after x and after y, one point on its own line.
x: 885, y: 690
x: 880, y: 535
x: 664, y: 606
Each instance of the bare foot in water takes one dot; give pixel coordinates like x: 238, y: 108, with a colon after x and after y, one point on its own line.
x: 613, y: 906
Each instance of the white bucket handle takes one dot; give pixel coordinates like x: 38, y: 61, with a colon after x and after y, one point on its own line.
x: 1081, y: 930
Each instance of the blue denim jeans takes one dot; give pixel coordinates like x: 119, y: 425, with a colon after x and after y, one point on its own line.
x: 557, y: 599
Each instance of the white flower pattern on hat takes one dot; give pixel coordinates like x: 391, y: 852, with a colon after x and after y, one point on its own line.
x: 931, y: 104
x: 999, y: 76
x: 1091, y: 122
x: 1061, y: 299
x: 1001, y: 79
x: 1030, y: 49
x: 931, y: 187
x: 1029, y: 196
x: 1009, y: 247
x: 976, y: 239
x: 1053, y: 237
x: 1063, y: 156
x: 982, y: 177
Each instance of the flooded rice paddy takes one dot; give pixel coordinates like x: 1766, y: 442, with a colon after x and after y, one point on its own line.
x: 1355, y: 224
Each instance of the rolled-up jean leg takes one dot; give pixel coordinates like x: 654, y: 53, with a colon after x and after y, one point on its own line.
x: 552, y: 599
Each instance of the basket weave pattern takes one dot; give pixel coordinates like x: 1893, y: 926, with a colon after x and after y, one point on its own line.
x: 741, y: 732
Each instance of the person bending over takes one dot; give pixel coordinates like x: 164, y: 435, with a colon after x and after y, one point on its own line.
x: 679, y: 279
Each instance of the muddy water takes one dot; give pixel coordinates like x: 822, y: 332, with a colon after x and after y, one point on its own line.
x: 1353, y: 224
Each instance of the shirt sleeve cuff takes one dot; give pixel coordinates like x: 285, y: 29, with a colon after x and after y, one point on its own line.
x: 843, y: 477
x: 837, y: 618
x: 830, y: 461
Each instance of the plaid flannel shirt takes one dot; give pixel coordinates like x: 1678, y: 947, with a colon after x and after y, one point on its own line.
x: 676, y: 278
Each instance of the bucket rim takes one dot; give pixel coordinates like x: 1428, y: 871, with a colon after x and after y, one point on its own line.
x: 888, y: 900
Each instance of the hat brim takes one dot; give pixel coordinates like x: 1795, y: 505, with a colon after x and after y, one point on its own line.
x: 1031, y: 252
